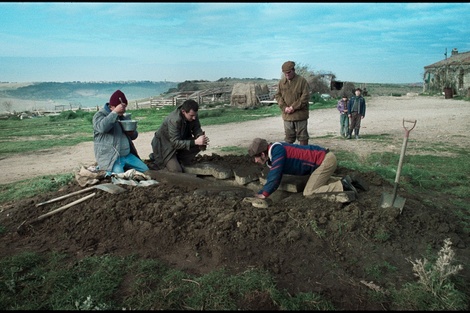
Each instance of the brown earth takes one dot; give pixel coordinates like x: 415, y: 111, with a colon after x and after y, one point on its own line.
x: 198, y: 224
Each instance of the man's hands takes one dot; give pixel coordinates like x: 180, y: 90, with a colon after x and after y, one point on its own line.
x: 120, y: 109
x: 202, y: 140
x: 289, y: 110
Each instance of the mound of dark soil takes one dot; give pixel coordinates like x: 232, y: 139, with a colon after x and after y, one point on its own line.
x: 198, y: 225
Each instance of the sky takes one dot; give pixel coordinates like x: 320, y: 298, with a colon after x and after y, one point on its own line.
x: 169, y: 41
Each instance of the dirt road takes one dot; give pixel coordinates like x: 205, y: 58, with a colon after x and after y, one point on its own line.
x: 439, y: 120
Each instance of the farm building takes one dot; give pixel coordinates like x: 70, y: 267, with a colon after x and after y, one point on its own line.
x: 451, y: 75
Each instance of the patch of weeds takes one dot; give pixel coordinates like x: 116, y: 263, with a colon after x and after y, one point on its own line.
x: 342, y: 227
x: 89, y: 304
x: 377, y: 271
x: 30, y: 187
x: 463, y: 213
x: 314, y: 226
x: 211, y: 113
x: 434, y: 289
x: 302, y: 302
x: 37, y: 282
x: 382, y: 235
x: 380, y: 137
x: 234, y: 150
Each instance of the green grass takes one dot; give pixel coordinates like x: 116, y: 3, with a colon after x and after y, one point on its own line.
x: 234, y: 150
x: 71, y: 128
x: 48, y: 282
x: 30, y: 281
x: 31, y: 187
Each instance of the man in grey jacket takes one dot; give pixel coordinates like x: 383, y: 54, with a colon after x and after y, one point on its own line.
x: 114, y: 150
x: 179, y: 138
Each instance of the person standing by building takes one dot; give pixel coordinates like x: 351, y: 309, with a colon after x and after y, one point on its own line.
x: 293, y: 93
x: 356, y: 112
x: 342, y: 107
x: 179, y: 138
x: 114, y: 148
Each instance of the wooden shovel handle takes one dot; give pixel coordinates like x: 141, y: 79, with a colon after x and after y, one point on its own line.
x: 66, y: 196
x: 65, y: 206
x: 402, y: 154
x: 408, y: 129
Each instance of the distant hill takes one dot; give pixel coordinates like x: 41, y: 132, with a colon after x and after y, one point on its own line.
x: 86, y: 94
x: 48, y: 95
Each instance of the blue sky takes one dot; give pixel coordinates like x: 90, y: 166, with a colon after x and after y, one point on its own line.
x: 358, y: 42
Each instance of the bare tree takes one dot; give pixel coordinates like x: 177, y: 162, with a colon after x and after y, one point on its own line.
x: 315, y: 81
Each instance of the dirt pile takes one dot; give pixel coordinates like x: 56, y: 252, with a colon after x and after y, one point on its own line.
x: 197, y: 225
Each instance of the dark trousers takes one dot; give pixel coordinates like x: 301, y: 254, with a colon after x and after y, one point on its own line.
x: 355, y: 122
x: 182, y: 158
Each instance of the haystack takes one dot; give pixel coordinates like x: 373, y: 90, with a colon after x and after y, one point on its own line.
x: 244, y: 94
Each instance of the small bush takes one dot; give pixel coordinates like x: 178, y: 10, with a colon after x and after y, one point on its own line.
x: 316, y: 98
x: 64, y: 115
x: 434, y: 289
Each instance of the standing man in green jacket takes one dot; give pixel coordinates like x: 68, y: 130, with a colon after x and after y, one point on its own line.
x: 179, y: 138
x: 293, y: 93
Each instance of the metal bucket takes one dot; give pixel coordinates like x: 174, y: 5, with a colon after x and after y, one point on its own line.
x: 129, y: 125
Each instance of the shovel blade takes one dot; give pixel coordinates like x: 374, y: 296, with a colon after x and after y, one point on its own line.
x: 387, y: 201
x: 111, y: 188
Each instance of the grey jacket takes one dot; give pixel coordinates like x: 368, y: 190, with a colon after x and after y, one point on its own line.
x: 109, y: 139
x: 175, y: 133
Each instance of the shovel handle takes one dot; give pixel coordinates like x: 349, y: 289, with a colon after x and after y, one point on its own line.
x: 65, y: 207
x: 403, y: 149
x: 66, y: 196
x: 407, y: 130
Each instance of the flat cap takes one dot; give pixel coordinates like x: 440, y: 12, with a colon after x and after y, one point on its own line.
x: 257, y: 146
x: 287, y: 66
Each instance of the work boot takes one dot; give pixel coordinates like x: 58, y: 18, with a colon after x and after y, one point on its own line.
x: 349, y: 134
x: 356, y: 131
x: 347, y: 184
x: 359, y: 183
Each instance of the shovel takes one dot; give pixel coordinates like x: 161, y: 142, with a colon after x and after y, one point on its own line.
x: 22, y: 228
x: 108, y: 187
x: 392, y: 200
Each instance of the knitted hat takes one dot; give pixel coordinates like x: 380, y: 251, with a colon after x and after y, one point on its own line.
x: 114, y: 100
x: 257, y: 146
x: 287, y: 66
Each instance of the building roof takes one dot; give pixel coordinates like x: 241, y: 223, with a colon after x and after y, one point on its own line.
x: 458, y: 58
x: 211, y: 91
